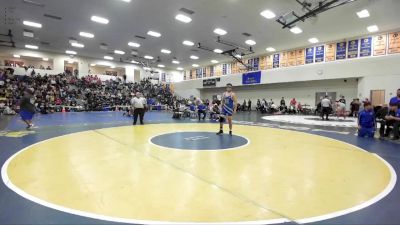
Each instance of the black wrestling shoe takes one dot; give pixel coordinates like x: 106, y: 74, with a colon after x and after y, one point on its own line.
x: 220, y: 132
x: 230, y: 133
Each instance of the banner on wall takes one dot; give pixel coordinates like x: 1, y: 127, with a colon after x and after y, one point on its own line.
x: 256, y: 63
x: 340, y: 50
x: 276, y: 61
x: 309, y: 55
x: 365, y: 47
x: 211, y: 71
x: 270, y: 61
x: 330, y: 51
x: 394, y: 43
x: 300, y: 58
x: 263, y: 62
x: 209, y: 82
x: 319, y: 53
x: 380, y: 42
x: 283, y: 59
x: 292, y: 58
x: 251, y: 78
x: 352, y: 49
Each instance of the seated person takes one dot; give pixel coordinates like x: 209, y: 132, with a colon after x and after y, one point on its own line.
x: 201, y: 109
x: 396, y: 124
x: 381, y: 117
x: 214, y: 112
x: 366, y: 121
x: 299, y: 108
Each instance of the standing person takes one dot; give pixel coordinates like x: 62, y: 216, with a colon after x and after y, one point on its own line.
x: 283, y: 104
x: 366, y: 121
x: 139, y: 107
x: 229, y: 103
x: 342, y: 100
x: 249, y: 105
x: 27, y: 108
x: 355, y: 107
x: 396, y: 99
x: 326, y: 107
x: 340, y: 109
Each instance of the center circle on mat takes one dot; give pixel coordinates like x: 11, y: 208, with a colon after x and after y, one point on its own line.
x: 198, y: 141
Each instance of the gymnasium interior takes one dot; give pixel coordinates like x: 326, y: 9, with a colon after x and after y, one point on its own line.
x: 183, y: 112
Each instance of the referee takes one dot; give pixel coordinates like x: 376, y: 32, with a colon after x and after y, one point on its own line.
x: 139, y: 107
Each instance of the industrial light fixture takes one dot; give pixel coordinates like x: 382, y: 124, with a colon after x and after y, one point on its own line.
x: 134, y: 44
x: 268, y: 14
x: 99, y: 19
x: 270, y: 49
x: 70, y: 52
x: 220, y: 31
x: 296, y: 30
x: 188, y: 43
x: 119, y: 52
x: 86, y: 34
x: 183, y: 18
x: 153, y: 33
x: 31, y: 46
x: 108, y: 57
x: 32, y: 24
x: 363, y: 14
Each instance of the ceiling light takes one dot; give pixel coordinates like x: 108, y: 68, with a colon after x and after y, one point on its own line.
x: 93, y: 64
x: 32, y: 24
x: 214, y: 61
x: 148, y: 57
x: 28, y: 34
x: 313, y: 40
x: 87, y: 35
x: 219, y: 51
x: 135, y: 62
x: 165, y: 51
x: 126, y: 0
x: 161, y: 65
x: 103, y: 47
x: 373, y: 28
x: 183, y: 18
x: 238, y: 56
x: 45, y: 59
x: 112, y: 67
x: 195, y: 65
x: 70, y: 52
x: 179, y: 68
x: 70, y: 61
x: 188, y: 43
x: 270, y: 49
x: 146, y: 68
x: 153, y: 33
x: 363, y: 13
x: 296, y: 30
x: 250, y: 42
x: 72, y: 41
x: 77, y: 45
x: 175, y: 62
x: 17, y: 56
x: 119, y: 52
x: 108, y: 57
x: 194, y: 57
x: 134, y: 44
x: 220, y: 31
x: 268, y: 14
x: 31, y: 46
x: 99, y: 19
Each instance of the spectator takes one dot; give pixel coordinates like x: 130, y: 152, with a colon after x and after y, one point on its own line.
x: 396, y: 123
x: 355, y: 107
x: 249, y: 105
x: 382, y: 117
x: 396, y: 99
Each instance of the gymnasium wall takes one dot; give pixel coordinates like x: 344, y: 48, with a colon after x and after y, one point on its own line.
x: 382, y: 72
x: 304, y: 92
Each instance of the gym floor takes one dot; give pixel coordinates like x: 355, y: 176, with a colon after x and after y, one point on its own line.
x: 96, y: 168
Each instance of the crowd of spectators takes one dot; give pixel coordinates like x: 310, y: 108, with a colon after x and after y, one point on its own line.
x: 67, y: 92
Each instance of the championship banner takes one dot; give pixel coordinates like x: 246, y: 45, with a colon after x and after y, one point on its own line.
x: 292, y: 58
x: 224, y: 69
x: 263, y: 62
x: 309, y: 55
x: 283, y: 59
x: 251, y: 78
x: 365, y: 47
x: 205, y: 72
x: 256, y: 63
x: 270, y: 61
x: 380, y: 42
x: 330, y: 52
x: 352, y: 49
x: 394, y: 43
x: 319, y: 53
x: 276, y: 61
x: 210, y: 83
x: 184, y: 75
x: 341, y: 50
x: 300, y: 57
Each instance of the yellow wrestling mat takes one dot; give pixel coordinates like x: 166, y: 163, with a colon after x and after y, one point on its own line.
x: 117, y: 174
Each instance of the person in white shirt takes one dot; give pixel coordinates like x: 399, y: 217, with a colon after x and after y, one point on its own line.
x: 326, y: 107
x: 139, y: 107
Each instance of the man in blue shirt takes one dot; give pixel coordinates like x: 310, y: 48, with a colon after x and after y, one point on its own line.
x: 396, y: 99
x: 366, y: 121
